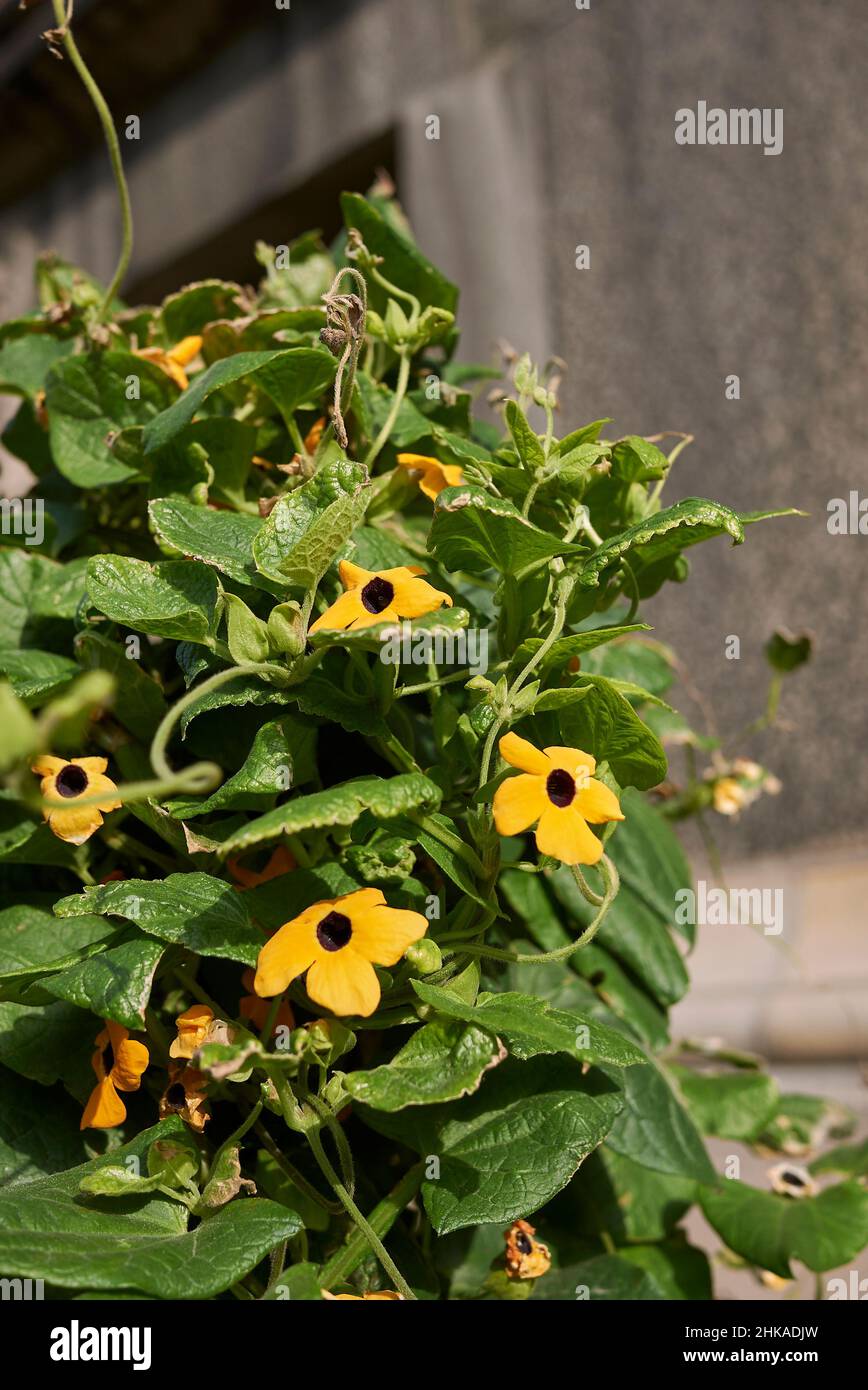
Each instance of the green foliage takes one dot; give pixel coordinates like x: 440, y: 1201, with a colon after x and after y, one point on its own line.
x: 517, y: 1063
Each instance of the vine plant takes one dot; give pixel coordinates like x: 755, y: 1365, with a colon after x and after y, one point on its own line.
x: 339, y: 884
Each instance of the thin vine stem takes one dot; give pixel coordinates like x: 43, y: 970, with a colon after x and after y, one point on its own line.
x: 563, y: 952
x: 359, y: 1219
x: 389, y: 422
x: 63, y: 17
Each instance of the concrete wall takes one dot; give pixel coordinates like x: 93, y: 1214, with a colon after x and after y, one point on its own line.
x: 557, y: 129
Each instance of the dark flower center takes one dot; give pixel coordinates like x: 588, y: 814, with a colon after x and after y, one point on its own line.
x: 176, y: 1097
x: 71, y: 780
x: 793, y: 1180
x: 108, y: 1059
x: 523, y: 1243
x: 334, y: 931
x: 377, y: 594
x: 560, y: 787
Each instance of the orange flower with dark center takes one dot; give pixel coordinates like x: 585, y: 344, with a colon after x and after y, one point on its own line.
x: 526, y: 1258
x: 118, y: 1064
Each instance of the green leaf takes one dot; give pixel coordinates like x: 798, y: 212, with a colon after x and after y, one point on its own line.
x: 770, y: 1230
x: 115, y: 984
x: 220, y: 538
x: 653, y: 1128
x: 670, y: 1270
x: 475, y: 531
x: 186, y: 312
x: 25, y: 362
x: 664, y: 534
x: 36, y: 676
x: 605, y: 724
x: 626, y: 1199
x: 650, y: 860
x: 86, y: 398
x: 527, y: 444
x: 441, y: 1062
x: 576, y: 644
x: 39, y: 1133
x: 733, y: 1105
x: 850, y: 1160
x: 403, y: 262
x: 33, y: 942
x: 175, y: 598
x: 530, y: 1027
x: 786, y: 653
x: 281, y: 756
x: 243, y: 690
x: 290, y: 376
x: 601, y: 1278
x: 194, y: 910
x: 377, y: 401
x: 300, y: 1283
x: 385, y: 798
x: 37, y: 597
x: 321, y: 697
x: 505, y: 1151
x: 48, y: 1231
x: 138, y: 701
x: 305, y: 530
x: 47, y: 1043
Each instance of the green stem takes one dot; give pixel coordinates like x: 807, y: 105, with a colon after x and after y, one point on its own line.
x: 388, y: 424
x: 366, y: 1230
x: 381, y: 1220
x: 563, y: 952
x: 111, y: 139
x: 290, y: 1171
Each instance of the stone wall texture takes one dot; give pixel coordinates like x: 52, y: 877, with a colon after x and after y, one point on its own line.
x: 557, y: 129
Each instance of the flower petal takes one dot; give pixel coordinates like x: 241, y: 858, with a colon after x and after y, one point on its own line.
x: 519, y: 753
x: 353, y: 576
x: 414, y: 597
x: 344, y: 982
x: 109, y: 800
x: 74, y: 826
x: 104, y: 1108
x: 289, y: 952
x: 595, y: 802
x: 345, y: 611
x: 46, y: 766
x: 518, y: 802
x: 131, y: 1059
x: 92, y: 766
x: 572, y: 760
x: 382, y: 934
x: 357, y: 901
x: 565, y: 836
x: 186, y: 350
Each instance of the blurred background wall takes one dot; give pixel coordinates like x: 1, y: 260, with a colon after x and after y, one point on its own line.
x: 556, y: 131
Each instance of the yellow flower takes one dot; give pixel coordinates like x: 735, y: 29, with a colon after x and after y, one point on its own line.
x: 173, y: 360
x: 381, y: 596
x: 185, y: 1096
x: 556, y: 788
x: 435, y: 476
x: 193, y: 1028
x: 118, y: 1064
x: 63, y: 783
x: 385, y: 1294
x: 337, y: 942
